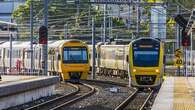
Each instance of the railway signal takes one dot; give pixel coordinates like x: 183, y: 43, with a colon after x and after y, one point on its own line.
x: 181, y: 21
x: 185, y: 39
x: 43, y: 35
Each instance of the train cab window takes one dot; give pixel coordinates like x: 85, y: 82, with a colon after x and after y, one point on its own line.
x: 75, y: 55
x: 145, y: 58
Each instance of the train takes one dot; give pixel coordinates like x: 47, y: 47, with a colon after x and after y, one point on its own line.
x: 146, y: 62
x: 142, y: 60
x: 67, y: 58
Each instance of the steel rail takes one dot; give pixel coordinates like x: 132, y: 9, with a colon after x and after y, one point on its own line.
x: 36, y: 107
x: 144, y: 104
x: 126, y: 101
x: 131, y: 98
x: 92, y: 90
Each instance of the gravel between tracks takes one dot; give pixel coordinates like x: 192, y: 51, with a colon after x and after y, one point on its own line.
x: 110, y: 78
x: 60, y: 89
x: 103, y: 99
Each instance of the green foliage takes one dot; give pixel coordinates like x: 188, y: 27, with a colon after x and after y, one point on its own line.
x: 186, y: 3
x: 65, y: 13
x: 118, y: 21
x: 22, y: 12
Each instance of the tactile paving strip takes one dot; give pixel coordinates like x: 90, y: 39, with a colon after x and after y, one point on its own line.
x: 183, y: 99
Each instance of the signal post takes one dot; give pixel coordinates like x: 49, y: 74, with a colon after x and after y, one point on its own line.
x: 44, y: 39
x: 43, y: 33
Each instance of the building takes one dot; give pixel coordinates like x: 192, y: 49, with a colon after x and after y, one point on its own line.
x: 6, y: 9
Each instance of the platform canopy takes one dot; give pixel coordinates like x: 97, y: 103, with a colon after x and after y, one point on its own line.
x: 191, y: 22
x: 6, y: 28
x: 7, y: 23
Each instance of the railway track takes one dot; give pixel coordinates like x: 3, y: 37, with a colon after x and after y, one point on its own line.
x: 82, y: 90
x: 136, y: 101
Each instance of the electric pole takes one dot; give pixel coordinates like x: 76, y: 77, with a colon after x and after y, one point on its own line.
x: 105, y: 10
x: 45, y: 47
x: 93, y: 49
x: 31, y: 36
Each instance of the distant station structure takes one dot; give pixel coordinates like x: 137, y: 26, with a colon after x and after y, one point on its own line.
x: 6, y: 9
x: 190, y: 28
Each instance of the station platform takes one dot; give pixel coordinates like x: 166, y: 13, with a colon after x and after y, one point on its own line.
x: 15, y: 78
x: 176, y: 93
x: 15, y: 90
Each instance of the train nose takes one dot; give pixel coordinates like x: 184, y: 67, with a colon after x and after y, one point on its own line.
x: 75, y: 75
x: 145, y: 79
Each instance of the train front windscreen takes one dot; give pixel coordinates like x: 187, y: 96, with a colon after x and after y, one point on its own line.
x: 75, y: 55
x: 146, y: 55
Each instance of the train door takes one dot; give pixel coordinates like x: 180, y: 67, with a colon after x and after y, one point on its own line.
x: 23, y: 60
x: 51, y: 60
x: 57, y: 61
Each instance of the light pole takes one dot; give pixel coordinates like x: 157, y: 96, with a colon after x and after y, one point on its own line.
x: 31, y: 35
x: 93, y: 49
x: 66, y: 31
x: 105, y: 10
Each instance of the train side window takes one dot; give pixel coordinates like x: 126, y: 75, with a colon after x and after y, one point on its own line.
x: 27, y: 55
x: 127, y: 58
x: 59, y: 57
x: 7, y: 53
x: 36, y: 55
x: 164, y: 59
x: 19, y: 53
x: 96, y: 55
x: 89, y: 56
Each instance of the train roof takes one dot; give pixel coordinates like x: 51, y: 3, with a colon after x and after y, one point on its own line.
x: 26, y: 44
x: 146, y: 38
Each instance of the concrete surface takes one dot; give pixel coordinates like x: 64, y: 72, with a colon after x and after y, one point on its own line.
x: 17, y: 90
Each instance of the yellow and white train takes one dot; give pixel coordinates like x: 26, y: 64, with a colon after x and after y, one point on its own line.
x: 146, y: 62
x: 69, y: 58
x: 142, y: 60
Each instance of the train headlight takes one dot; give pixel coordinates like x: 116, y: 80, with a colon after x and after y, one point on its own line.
x: 134, y: 70
x: 157, y: 70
